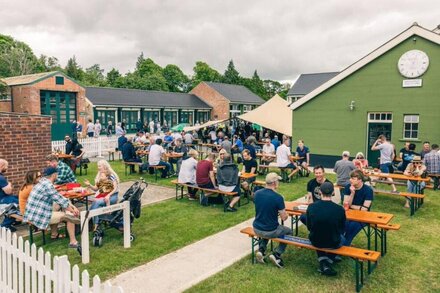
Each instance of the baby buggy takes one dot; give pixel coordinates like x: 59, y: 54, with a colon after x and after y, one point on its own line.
x: 115, y: 219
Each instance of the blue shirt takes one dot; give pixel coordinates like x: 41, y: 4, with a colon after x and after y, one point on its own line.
x: 361, y: 195
x: 168, y: 138
x: 251, y: 150
x: 302, y: 153
x: 121, y: 141
x: 3, y: 184
x: 239, y: 144
x: 267, y: 204
x: 276, y: 143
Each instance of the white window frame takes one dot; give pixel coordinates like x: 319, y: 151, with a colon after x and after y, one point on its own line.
x: 411, y: 119
x: 379, y: 117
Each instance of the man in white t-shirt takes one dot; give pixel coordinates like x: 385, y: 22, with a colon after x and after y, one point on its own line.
x: 156, y: 157
x: 284, y: 158
x: 386, y: 156
x: 176, y: 135
x: 213, y: 135
x: 97, y: 129
x: 188, y: 138
x: 90, y: 128
x: 268, y: 153
x: 151, y: 126
x: 187, y: 172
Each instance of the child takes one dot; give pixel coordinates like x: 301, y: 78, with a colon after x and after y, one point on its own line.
x: 105, y: 186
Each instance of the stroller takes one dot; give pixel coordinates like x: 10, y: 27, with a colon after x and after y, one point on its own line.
x: 115, y: 219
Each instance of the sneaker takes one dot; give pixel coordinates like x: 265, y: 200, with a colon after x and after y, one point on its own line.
x: 276, y: 260
x: 191, y: 198
x: 229, y: 209
x: 259, y: 256
x: 203, y: 199
x: 326, y: 269
x: 337, y: 259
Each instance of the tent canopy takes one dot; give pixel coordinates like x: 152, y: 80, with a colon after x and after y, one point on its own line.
x: 207, y: 124
x: 275, y: 114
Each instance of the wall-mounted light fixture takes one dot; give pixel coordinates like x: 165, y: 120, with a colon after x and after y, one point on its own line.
x: 351, y: 106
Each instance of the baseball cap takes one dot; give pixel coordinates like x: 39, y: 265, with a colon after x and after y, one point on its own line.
x: 327, y: 188
x: 345, y: 153
x: 49, y: 171
x: 272, y: 177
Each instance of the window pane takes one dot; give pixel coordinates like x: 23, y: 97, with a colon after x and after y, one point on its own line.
x: 407, y: 126
x: 407, y: 134
x: 371, y: 116
x: 415, y: 126
x: 383, y: 116
x: 389, y: 116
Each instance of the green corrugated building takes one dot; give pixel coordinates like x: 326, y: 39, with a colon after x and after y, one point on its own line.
x: 394, y: 90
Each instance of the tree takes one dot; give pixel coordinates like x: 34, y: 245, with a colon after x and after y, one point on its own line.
x: 114, y: 78
x: 203, y: 72
x: 3, y: 90
x: 148, y: 67
x: 73, y: 69
x: 274, y: 87
x: 231, y: 75
x: 176, y: 80
x: 139, y: 61
x: 46, y: 64
x: 94, y: 76
x: 16, y: 58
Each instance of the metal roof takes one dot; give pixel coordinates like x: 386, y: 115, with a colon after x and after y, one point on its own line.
x: 102, y: 96
x: 28, y: 79
x: 308, y: 82
x: 236, y: 93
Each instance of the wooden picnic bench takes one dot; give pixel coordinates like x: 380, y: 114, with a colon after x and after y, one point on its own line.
x: 359, y: 255
x: 224, y: 194
x: 129, y: 164
x: 415, y: 199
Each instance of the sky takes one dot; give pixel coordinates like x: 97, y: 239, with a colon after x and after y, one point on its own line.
x: 280, y: 39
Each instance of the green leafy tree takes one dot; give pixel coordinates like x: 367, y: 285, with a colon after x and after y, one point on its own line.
x: 46, y: 63
x: 74, y: 70
x: 231, y: 75
x: 3, y: 90
x: 148, y: 67
x: 114, y: 78
x: 274, y: 87
x: 176, y: 80
x: 16, y: 58
x: 94, y: 76
x: 203, y: 72
x: 140, y: 59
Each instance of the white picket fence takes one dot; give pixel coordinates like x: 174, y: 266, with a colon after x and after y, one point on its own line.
x: 93, y: 146
x: 24, y: 268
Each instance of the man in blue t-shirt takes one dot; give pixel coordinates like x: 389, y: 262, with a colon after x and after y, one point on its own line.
x: 276, y: 143
x: 357, y: 196
x: 6, y: 196
x: 268, y: 205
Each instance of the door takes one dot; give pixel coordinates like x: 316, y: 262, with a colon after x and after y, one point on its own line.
x: 105, y: 116
x: 374, y: 130
x: 61, y: 106
x: 151, y: 115
x: 130, y: 117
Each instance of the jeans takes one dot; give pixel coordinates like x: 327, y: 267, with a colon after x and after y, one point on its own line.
x: 7, y: 222
x: 411, y: 186
x: 385, y: 168
x: 303, y: 219
x: 99, y: 203
x: 351, y: 230
x: 278, y: 232
x: 329, y: 256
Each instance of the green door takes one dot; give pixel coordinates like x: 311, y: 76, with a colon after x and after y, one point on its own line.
x: 61, y: 106
x: 130, y: 117
x: 374, y: 130
x: 105, y: 116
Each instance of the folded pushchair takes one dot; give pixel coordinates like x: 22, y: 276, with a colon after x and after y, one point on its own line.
x: 116, y: 219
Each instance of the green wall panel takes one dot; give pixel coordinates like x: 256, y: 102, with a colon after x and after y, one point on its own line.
x: 329, y: 127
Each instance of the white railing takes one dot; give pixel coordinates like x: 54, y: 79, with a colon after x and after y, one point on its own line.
x: 23, y: 268
x: 93, y: 146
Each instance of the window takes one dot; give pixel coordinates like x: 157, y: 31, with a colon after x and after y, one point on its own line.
x: 411, y: 126
x: 385, y: 117
x: 59, y: 80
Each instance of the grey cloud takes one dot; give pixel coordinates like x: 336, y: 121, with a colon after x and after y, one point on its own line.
x: 280, y: 39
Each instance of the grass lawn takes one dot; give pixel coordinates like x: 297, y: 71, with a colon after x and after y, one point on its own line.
x: 163, y: 227
x: 411, y: 264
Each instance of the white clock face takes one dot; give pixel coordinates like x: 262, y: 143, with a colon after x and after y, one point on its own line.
x: 413, y: 63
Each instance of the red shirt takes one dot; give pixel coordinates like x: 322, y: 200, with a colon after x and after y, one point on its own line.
x: 202, y: 172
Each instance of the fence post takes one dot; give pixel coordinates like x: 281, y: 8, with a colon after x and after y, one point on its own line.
x: 99, y: 147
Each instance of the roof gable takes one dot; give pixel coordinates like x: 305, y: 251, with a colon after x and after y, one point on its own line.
x: 235, y: 93
x: 415, y: 29
x: 30, y: 78
x: 142, y: 98
x: 308, y: 82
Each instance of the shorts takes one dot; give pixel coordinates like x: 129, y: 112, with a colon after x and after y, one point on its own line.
x: 289, y: 166
x: 56, y: 217
x: 385, y: 168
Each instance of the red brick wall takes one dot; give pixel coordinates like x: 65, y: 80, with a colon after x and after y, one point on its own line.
x: 25, y: 142
x: 5, y: 106
x: 219, y: 104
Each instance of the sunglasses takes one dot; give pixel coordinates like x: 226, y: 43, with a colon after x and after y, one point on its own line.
x: 39, y: 176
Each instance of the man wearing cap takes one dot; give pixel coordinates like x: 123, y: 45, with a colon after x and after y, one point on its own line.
x: 326, y: 222
x: 65, y: 173
x: 268, y: 205
x: 415, y: 168
x: 343, y: 168
x: 39, y: 208
x: 6, y: 196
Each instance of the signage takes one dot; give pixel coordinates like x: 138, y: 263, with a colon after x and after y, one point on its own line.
x: 82, y: 114
x: 412, y: 82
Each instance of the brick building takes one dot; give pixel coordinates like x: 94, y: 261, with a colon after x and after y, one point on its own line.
x: 227, y: 100
x: 26, y: 141
x: 49, y: 93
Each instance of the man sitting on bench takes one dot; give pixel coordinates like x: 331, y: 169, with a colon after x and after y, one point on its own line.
x: 358, y: 196
x: 283, y: 158
x: 326, y: 223
x: 268, y: 205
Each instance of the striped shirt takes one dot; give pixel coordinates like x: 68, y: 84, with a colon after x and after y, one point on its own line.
x: 432, y: 162
x: 40, y: 202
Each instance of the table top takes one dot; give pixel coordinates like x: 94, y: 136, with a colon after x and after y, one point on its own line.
x: 143, y: 152
x: 174, y: 155
x: 247, y: 175
x: 64, y: 156
x: 398, y: 176
x: 367, y: 217
x: 209, y: 144
x: 266, y: 155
